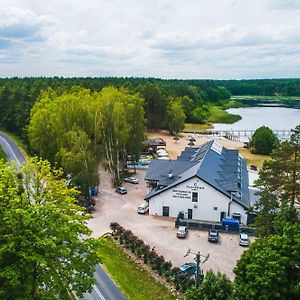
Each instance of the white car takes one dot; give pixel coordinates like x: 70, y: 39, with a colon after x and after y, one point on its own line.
x: 244, y: 240
x: 182, y: 232
x: 143, y: 208
x: 131, y: 180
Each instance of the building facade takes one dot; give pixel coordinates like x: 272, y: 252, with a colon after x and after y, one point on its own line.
x: 206, y: 183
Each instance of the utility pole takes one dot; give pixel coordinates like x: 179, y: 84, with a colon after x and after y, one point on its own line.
x: 198, y: 262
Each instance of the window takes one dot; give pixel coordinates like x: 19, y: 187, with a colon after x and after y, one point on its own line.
x: 215, y: 208
x: 194, y: 197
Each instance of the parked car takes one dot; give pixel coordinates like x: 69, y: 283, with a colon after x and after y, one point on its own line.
x: 94, y: 191
x: 188, y: 268
x: 143, y: 208
x: 213, y: 235
x: 121, y: 190
x: 244, y: 239
x: 131, y: 180
x: 182, y: 232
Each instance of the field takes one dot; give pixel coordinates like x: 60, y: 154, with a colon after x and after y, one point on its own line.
x: 134, y: 282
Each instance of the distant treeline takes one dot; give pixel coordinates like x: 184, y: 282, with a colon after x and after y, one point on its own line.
x: 18, y: 95
x: 263, y: 87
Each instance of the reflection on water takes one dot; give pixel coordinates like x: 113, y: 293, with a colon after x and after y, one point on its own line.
x: 276, y: 118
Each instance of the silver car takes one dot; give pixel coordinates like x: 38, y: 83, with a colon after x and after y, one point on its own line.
x: 131, y: 180
x: 244, y: 240
x: 182, y: 232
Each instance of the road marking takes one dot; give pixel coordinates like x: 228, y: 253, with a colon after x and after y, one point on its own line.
x: 98, y: 292
x: 11, y: 150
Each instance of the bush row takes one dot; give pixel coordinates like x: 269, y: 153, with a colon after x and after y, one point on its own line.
x: 157, y: 262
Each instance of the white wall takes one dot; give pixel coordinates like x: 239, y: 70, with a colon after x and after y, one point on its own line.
x: 179, y: 198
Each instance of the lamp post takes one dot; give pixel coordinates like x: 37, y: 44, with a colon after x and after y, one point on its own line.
x: 229, y: 203
x: 198, y: 261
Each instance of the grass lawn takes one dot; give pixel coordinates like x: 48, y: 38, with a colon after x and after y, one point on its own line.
x: 135, y: 283
x: 253, y: 159
x: 2, y: 155
x: 218, y: 115
x: 189, y: 127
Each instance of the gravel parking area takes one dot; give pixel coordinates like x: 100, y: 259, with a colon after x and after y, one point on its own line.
x: 159, y: 232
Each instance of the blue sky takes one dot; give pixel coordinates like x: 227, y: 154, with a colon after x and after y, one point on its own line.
x: 218, y: 39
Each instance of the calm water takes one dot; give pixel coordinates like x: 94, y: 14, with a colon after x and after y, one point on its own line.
x: 280, y: 118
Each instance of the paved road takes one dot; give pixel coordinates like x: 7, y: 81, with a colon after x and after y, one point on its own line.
x: 11, y: 150
x: 104, y: 289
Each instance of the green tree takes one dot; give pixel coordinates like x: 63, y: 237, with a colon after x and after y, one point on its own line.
x: 213, y: 287
x: 120, y: 126
x: 155, y: 106
x: 46, y: 251
x: 279, y: 187
x: 61, y: 130
x: 176, y: 117
x: 263, y: 141
x: 269, y: 269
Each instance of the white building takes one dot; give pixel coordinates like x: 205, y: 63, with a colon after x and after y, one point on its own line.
x: 205, y: 183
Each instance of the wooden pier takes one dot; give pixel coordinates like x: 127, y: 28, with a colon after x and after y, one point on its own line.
x: 236, y: 135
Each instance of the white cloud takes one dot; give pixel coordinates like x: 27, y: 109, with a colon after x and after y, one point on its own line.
x: 163, y: 38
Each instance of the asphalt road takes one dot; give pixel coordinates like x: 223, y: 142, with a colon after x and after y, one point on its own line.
x: 11, y: 150
x: 104, y: 289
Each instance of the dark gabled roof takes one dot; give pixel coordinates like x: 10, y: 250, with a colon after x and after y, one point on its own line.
x: 159, y: 170
x: 219, y: 167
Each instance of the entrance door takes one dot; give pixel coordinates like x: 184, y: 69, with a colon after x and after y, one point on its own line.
x: 190, y: 213
x: 222, y: 215
x: 166, y: 211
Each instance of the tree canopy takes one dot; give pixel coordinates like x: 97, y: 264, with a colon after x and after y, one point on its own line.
x: 279, y: 187
x: 46, y: 251
x: 175, y: 116
x: 263, y: 141
x: 269, y: 269
x: 213, y: 287
x: 18, y: 95
x: 74, y: 128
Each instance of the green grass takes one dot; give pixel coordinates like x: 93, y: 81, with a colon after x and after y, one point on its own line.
x: 135, y: 283
x: 218, y: 115
x: 253, y: 159
x: 226, y: 104
x: 189, y: 127
x: 2, y: 155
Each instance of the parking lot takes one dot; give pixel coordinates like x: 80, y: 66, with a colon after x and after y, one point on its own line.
x: 159, y: 232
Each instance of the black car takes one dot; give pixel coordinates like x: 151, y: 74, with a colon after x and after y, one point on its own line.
x: 213, y: 235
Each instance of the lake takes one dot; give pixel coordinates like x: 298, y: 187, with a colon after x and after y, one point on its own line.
x: 276, y: 118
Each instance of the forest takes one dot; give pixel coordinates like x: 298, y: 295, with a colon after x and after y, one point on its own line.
x: 200, y: 100
x: 263, y: 87
x: 18, y: 95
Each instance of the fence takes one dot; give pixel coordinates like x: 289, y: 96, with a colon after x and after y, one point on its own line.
x: 198, y: 225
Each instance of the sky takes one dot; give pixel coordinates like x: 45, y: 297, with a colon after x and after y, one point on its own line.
x: 217, y: 39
